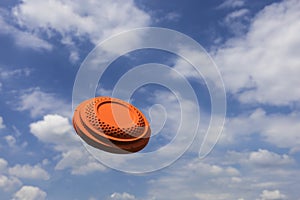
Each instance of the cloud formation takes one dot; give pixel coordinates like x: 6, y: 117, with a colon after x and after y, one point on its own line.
x: 272, y: 195
x: 30, y: 193
x: 121, y: 196
x: 57, y: 130
x: 278, y: 129
x: 39, y: 103
x: 1, y: 123
x: 255, y: 66
x: 91, y: 20
x: 24, y: 39
x: 29, y: 172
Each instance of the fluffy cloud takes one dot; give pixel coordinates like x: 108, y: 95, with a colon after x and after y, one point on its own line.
x: 9, y: 176
x: 262, y: 66
x: 9, y: 183
x: 53, y: 129
x: 30, y: 193
x: 272, y: 195
x: 56, y: 130
x: 29, y: 172
x: 39, y: 103
x: 266, y: 158
x: 211, y: 170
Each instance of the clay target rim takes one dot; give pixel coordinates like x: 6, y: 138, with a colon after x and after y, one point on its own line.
x: 100, y: 133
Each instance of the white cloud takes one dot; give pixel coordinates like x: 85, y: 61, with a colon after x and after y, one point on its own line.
x: 11, y: 140
x: 74, y: 52
x: 278, y: 129
x: 8, y: 76
x: 103, y: 92
x: 13, y: 73
x: 9, y: 183
x: 45, y: 162
x: 53, y: 129
x: 205, y: 169
x: 89, y: 167
x: 272, y: 195
x: 169, y: 118
x: 262, y: 66
x: 3, y: 165
x: 171, y: 16
x: 231, y: 4
x: 261, y: 160
x: 30, y: 193
x: 196, y: 179
x: 122, y: 196
x: 162, y: 16
x: 22, y: 38
x: 199, y: 59
x: 92, y: 20
x: 9, y: 177
x: 236, y: 14
x: 237, y: 21
x: 266, y: 158
x: 56, y: 130
x: 79, y: 161
x: 207, y: 196
x: 29, y: 172
x: 1, y: 123
x: 39, y: 103
x: 223, y: 177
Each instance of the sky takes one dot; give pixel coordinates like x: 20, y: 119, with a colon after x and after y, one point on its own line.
x: 254, y: 48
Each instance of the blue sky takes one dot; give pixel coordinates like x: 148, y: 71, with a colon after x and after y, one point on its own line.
x: 255, y: 45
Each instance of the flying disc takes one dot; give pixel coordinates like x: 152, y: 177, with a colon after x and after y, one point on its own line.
x: 112, y: 125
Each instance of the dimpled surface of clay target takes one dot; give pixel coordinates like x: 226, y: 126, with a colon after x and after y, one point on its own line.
x: 111, y: 125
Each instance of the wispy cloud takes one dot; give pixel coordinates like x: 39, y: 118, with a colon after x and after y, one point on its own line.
x: 39, y: 103
x: 83, y: 20
x: 228, y: 175
x: 231, y: 4
x: 24, y: 39
x: 121, y: 196
x: 278, y: 129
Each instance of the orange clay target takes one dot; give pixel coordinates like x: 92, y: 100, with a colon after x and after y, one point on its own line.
x: 111, y: 125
